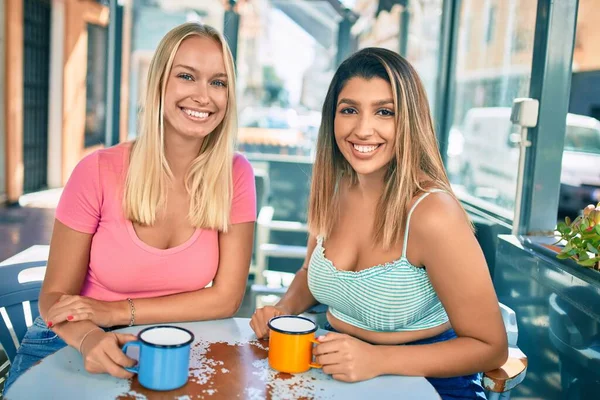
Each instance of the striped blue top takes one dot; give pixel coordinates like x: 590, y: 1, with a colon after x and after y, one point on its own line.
x: 391, y: 297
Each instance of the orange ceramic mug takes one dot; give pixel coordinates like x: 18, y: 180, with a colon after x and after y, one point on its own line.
x: 291, y: 343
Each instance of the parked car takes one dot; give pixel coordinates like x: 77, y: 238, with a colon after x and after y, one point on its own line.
x: 483, y: 156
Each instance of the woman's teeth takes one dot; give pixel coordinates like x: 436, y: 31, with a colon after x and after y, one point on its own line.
x: 196, y: 114
x: 365, y: 149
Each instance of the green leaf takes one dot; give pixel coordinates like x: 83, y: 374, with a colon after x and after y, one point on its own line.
x: 562, y: 256
x: 591, y: 248
x: 561, y: 227
x: 567, y: 248
x: 582, y: 256
x: 597, y: 229
x: 572, y: 252
x: 567, y: 220
x: 584, y: 225
x: 588, y: 263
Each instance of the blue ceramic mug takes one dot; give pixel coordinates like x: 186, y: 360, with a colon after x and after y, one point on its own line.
x: 164, y: 357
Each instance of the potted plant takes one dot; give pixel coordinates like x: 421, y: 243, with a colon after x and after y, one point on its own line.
x: 581, y: 238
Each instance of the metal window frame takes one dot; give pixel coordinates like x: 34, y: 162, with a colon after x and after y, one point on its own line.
x: 551, y: 71
x: 446, y: 88
x: 113, y: 81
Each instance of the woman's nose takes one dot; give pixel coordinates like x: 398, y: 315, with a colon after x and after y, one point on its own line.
x: 200, y: 94
x: 365, y: 127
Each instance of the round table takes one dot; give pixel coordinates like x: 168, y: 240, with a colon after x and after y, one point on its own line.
x: 227, y: 362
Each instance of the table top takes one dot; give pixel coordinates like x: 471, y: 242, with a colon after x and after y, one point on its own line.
x: 226, y: 362
x: 38, y: 252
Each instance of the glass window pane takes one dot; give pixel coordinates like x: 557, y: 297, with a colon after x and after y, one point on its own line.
x: 282, y: 82
x: 494, y: 56
x: 580, y: 177
x: 283, y: 79
x: 420, y: 37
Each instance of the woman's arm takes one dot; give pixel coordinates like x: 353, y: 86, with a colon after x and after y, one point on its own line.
x: 66, y: 270
x: 443, y: 242
x: 296, y: 300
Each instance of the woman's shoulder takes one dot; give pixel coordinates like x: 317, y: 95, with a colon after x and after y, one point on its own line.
x: 241, y: 165
x: 436, y: 210
x: 103, y: 165
x: 109, y: 156
x: 115, y: 155
x: 240, y: 160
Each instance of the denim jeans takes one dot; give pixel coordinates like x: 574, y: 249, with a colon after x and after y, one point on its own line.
x: 459, y: 387
x: 38, y: 342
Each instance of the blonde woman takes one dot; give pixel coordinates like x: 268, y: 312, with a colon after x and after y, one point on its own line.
x: 142, y: 228
x: 391, y: 251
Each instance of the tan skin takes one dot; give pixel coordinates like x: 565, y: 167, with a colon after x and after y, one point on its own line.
x: 457, y: 268
x: 196, y: 82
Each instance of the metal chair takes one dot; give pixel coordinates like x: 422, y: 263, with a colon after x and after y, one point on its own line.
x: 16, y: 289
x: 266, y: 249
x: 20, y: 284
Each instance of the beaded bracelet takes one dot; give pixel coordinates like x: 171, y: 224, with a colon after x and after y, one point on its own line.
x: 132, y: 310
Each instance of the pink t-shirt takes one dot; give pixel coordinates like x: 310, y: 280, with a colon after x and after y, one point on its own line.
x: 121, y: 265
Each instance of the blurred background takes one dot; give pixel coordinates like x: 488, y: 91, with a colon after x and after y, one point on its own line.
x: 75, y: 73
x: 72, y: 76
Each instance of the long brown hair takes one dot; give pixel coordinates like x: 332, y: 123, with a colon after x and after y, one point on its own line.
x: 416, y: 149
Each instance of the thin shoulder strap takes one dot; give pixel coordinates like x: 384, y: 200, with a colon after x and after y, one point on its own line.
x: 409, y: 215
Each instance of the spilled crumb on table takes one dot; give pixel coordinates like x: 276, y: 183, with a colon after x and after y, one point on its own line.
x: 238, y: 370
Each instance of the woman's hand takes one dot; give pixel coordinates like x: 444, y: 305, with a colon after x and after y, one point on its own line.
x: 102, y: 353
x: 346, y: 358
x: 261, y: 318
x: 79, y: 308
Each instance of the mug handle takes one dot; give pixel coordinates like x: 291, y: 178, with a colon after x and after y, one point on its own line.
x: 314, y: 364
x: 133, y: 369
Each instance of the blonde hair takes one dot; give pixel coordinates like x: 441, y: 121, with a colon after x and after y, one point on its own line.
x: 416, y: 148
x: 209, y: 177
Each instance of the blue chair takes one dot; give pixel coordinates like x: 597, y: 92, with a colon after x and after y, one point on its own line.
x: 13, y: 294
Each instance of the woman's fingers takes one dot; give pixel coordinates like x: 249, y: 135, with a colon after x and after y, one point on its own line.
x: 123, y: 338
x: 77, y: 312
x: 118, y: 357
x: 104, y: 357
x: 80, y: 316
x: 60, y: 312
x: 257, y: 326
x: 328, y: 359
x: 114, y: 369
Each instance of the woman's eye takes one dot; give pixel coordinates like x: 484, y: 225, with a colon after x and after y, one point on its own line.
x: 347, y: 111
x: 186, y: 77
x: 220, y: 83
x: 385, y: 112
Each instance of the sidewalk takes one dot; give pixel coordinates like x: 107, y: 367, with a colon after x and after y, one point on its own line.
x: 27, y: 225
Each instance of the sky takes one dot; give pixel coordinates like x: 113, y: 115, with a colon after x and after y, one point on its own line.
x: 291, y: 54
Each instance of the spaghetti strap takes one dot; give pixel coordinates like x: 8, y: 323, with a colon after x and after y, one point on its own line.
x: 405, y: 244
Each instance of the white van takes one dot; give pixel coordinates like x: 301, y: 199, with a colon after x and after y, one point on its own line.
x: 483, y: 156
